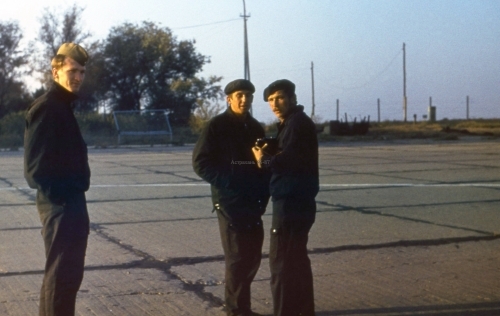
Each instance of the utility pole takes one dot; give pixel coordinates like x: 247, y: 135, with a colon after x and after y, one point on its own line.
x: 338, y: 107
x: 467, y: 105
x: 247, y: 61
x: 378, y: 109
x: 246, y: 58
x: 312, y: 80
x: 404, y: 83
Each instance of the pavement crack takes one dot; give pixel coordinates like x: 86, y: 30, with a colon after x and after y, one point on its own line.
x: 149, y: 262
x: 159, y: 221
x: 20, y: 228
x: 21, y: 273
x: 17, y: 204
x: 343, y: 208
x: 27, y: 192
x: 406, y: 243
x: 155, y: 171
x: 175, y: 197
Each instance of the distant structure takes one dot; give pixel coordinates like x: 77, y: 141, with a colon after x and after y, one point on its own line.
x: 431, y: 111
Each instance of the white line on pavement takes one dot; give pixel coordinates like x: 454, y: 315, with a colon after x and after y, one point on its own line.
x: 412, y: 185
x: 323, y: 185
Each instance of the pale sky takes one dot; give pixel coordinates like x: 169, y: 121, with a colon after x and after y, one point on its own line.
x: 452, y: 48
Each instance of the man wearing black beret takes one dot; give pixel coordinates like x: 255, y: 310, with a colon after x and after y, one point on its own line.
x: 293, y: 187
x: 240, y: 190
x: 56, y: 164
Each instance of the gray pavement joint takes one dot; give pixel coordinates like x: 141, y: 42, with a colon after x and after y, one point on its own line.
x: 406, y: 243
x: 17, y: 204
x: 175, y: 197
x: 343, y: 208
x: 156, y: 221
x: 9, y: 183
x: 149, y: 262
x: 472, y: 309
x: 149, y: 170
x: 21, y: 273
x: 20, y: 228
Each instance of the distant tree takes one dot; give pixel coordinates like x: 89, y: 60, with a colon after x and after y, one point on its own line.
x: 18, y: 98
x: 207, y: 96
x: 145, y: 66
x: 12, y: 66
x: 38, y: 92
x: 57, y: 28
x: 89, y: 92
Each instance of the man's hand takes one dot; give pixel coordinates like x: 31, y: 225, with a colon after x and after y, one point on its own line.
x: 258, y: 153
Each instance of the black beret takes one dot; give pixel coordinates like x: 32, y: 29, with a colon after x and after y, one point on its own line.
x: 238, y: 85
x: 282, y: 84
x: 74, y: 51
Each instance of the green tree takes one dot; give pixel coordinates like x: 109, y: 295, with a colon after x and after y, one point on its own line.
x: 12, y: 66
x: 206, y: 95
x: 145, y: 66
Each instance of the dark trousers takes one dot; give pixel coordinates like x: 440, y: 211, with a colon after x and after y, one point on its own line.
x: 242, y: 238
x: 65, y: 232
x: 291, y: 274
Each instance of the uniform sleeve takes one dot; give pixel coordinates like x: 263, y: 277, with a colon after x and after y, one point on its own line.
x: 206, y: 162
x: 40, y: 150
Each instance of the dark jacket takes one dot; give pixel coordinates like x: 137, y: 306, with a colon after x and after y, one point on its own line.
x: 55, y: 154
x: 223, y: 157
x: 295, y: 167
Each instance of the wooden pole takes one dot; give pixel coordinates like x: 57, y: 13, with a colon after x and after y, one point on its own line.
x: 245, y: 36
x: 246, y: 58
x: 467, y: 102
x: 404, y: 84
x: 312, y: 81
x: 378, y: 109
x: 338, y: 110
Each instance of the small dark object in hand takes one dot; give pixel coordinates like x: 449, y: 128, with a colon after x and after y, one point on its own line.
x: 272, y: 145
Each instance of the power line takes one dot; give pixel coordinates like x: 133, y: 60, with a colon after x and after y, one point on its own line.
x: 206, y: 24
x: 372, y: 79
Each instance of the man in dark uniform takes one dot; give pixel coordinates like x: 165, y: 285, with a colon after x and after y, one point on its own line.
x: 223, y: 157
x: 293, y: 187
x: 56, y: 164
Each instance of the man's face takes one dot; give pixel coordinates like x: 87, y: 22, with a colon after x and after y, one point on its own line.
x: 240, y: 101
x: 280, y: 104
x: 70, y: 76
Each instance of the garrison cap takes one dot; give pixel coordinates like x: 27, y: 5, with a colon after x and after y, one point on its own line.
x: 238, y: 85
x: 74, y: 51
x: 282, y: 84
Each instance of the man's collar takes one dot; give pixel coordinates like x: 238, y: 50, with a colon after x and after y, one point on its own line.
x: 239, y: 118
x: 295, y: 109
x: 62, y: 92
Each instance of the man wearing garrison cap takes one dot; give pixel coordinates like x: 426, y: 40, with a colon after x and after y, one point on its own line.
x: 293, y: 187
x: 56, y: 165
x: 240, y: 190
